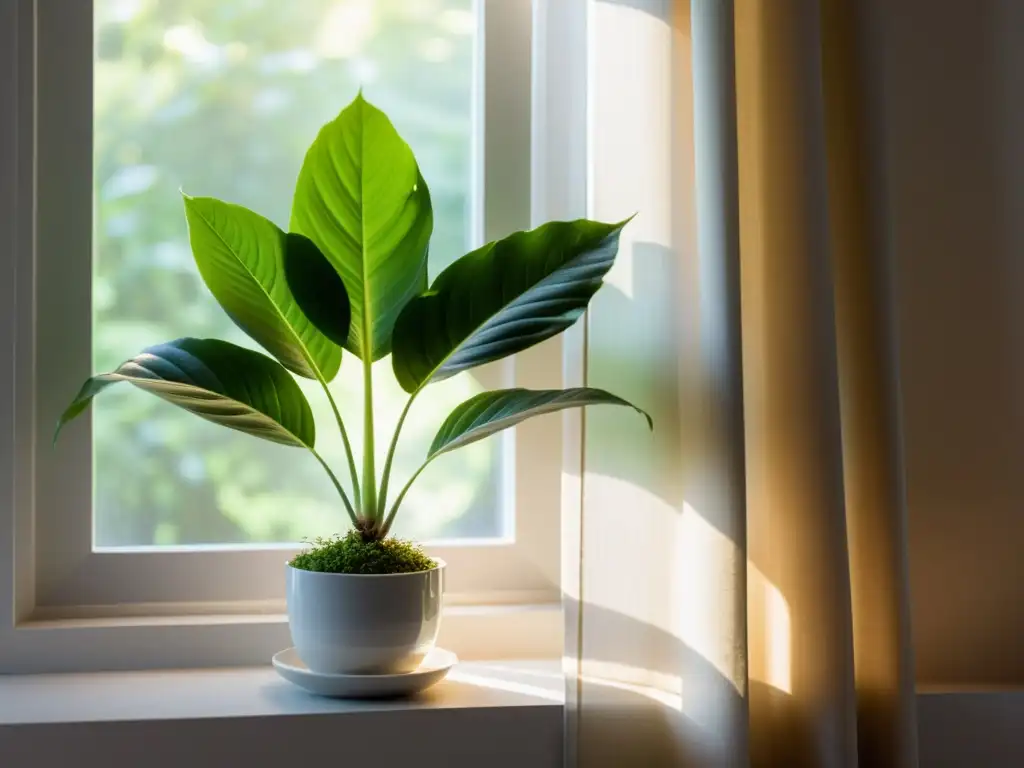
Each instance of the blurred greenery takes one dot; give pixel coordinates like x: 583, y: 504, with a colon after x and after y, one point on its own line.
x: 222, y: 98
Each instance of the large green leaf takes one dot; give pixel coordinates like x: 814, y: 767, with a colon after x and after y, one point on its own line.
x: 318, y: 289
x: 490, y: 412
x: 502, y: 298
x: 221, y: 382
x: 241, y: 257
x: 360, y: 197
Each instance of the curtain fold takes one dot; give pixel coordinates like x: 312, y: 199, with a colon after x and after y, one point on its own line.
x: 743, y: 595
x: 869, y: 388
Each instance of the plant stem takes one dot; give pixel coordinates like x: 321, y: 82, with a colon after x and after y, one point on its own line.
x: 398, y: 501
x: 386, y: 476
x: 341, y: 491
x: 369, y: 506
x: 344, y: 437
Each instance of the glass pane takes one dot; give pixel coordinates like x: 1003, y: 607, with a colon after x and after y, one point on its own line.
x: 222, y: 98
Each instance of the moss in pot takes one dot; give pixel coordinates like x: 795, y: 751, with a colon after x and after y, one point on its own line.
x: 349, y: 280
x: 352, y: 553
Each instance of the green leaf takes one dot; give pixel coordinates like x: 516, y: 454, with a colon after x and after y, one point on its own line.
x: 241, y: 257
x: 502, y: 299
x: 360, y: 197
x: 218, y: 381
x: 489, y: 412
x: 317, y: 288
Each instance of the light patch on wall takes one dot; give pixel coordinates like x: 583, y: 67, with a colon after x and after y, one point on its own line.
x: 634, y: 100
x: 769, y: 631
x: 629, y: 531
x: 673, y: 556
x: 701, y: 617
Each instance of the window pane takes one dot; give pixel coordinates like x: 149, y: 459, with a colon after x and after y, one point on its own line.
x: 222, y: 98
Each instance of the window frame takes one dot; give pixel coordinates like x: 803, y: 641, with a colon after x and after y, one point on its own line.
x: 64, y: 606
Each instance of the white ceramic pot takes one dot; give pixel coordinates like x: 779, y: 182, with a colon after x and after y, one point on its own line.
x: 345, y: 623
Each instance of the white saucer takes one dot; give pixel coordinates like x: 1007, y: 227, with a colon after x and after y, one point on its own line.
x: 433, y: 670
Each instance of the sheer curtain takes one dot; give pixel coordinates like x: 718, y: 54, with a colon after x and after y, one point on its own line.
x: 739, y: 593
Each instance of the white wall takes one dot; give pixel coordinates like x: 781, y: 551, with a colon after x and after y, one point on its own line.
x: 953, y: 75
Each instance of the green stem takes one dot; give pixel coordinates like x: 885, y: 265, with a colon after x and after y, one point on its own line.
x: 398, y: 501
x: 344, y: 436
x: 386, y: 476
x: 369, y: 472
x: 341, y: 491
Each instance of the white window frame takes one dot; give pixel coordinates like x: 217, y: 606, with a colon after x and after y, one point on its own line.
x: 65, y: 607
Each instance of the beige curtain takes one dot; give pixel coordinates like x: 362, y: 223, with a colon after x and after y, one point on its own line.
x: 740, y: 589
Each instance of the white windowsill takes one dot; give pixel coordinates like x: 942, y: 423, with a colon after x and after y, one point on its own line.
x: 486, y: 713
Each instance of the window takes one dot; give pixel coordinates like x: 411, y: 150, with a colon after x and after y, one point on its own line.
x: 151, y: 530
x: 223, y: 101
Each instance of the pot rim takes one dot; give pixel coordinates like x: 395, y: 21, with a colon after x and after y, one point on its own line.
x: 440, y: 566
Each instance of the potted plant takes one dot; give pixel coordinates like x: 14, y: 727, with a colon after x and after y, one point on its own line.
x: 350, y: 280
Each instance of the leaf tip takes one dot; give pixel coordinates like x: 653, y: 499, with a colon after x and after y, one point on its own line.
x: 621, y: 225
x: 68, y: 415
x: 646, y: 415
x: 354, y: 107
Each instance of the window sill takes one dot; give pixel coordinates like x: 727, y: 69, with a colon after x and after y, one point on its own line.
x: 486, y: 713
x: 194, y: 639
